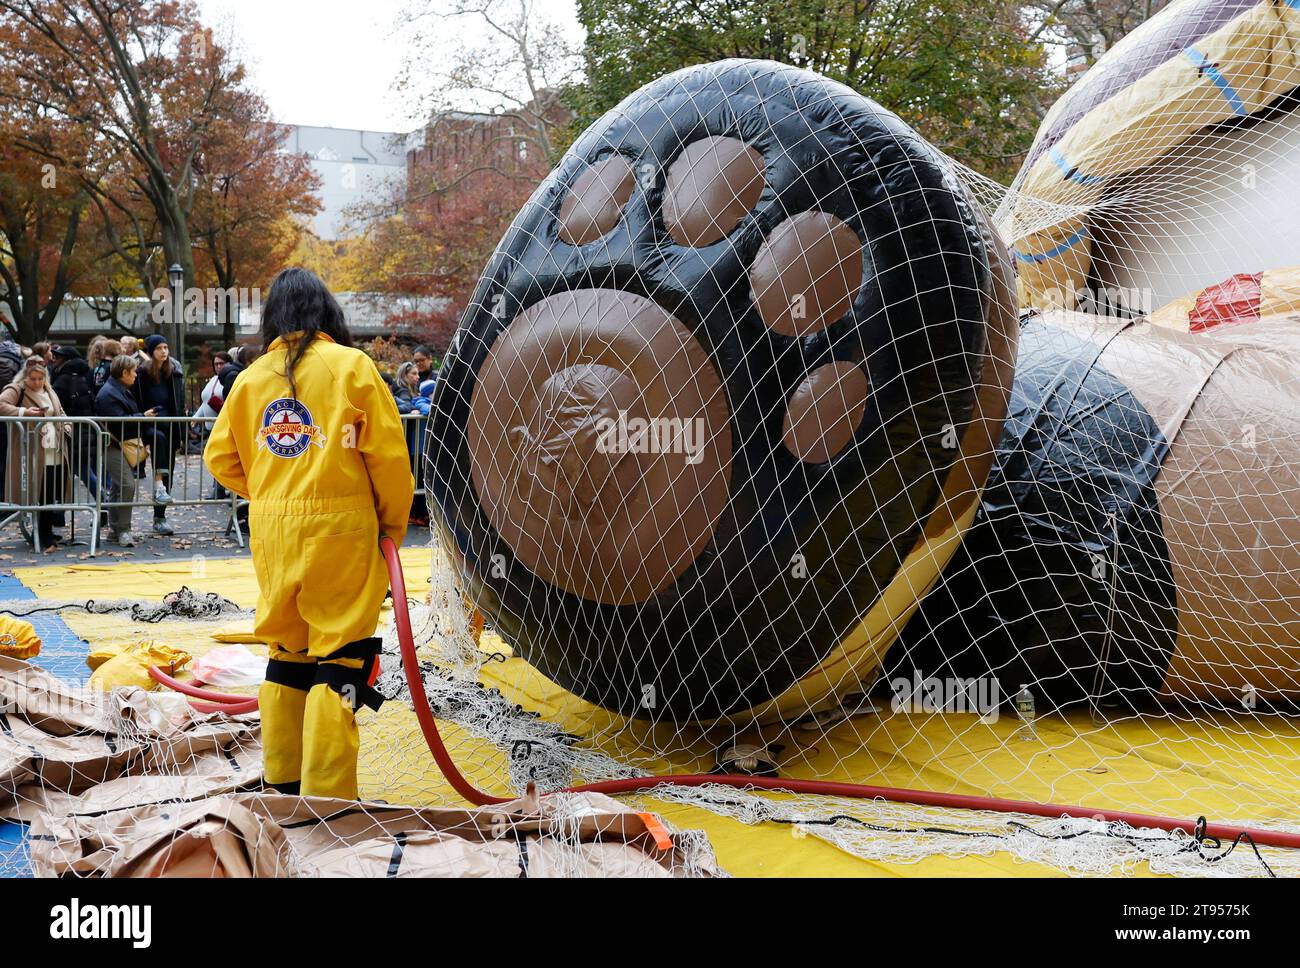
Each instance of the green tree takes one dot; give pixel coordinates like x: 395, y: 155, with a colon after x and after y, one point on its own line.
x: 965, y: 73
x: 144, y: 78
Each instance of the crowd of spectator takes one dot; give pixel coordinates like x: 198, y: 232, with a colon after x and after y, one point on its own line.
x: 124, y: 378
x: 118, y: 379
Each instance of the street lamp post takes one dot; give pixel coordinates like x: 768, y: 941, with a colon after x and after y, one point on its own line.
x: 176, y: 275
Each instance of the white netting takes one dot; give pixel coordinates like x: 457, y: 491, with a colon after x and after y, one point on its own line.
x: 1136, y: 466
x: 1133, y: 559
x: 503, y: 735
x: 872, y: 528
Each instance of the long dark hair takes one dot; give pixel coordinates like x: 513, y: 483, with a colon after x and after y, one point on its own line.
x: 160, y: 371
x: 299, y: 302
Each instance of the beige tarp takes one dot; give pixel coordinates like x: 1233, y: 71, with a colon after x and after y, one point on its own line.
x: 266, y: 835
x: 58, y: 741
x: 137, y: 784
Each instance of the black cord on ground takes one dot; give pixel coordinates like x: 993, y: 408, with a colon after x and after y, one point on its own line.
x: 1200, y: 843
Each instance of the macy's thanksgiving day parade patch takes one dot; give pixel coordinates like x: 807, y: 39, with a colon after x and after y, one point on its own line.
x: 287, y: 428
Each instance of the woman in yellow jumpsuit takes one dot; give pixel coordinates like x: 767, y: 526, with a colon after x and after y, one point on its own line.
x: 310, y: 435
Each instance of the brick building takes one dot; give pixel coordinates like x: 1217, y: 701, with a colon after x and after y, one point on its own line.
x: 457, y: 143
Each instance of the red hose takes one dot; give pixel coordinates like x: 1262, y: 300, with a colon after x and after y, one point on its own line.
x: 411, y: 666
x: 925, y: 798
x: 194, y: 691
x: 228, y: 708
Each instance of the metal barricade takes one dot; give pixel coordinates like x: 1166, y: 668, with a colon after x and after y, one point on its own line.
x: 415, y: 425
x: 67, y: 482
x: 89, y: 456
x: 175, y: 453
x: 87, y: 461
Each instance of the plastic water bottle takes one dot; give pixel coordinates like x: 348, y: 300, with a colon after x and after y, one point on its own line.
x: 1025, y: 712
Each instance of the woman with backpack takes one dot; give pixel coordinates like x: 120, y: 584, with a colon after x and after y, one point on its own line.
x: 72, y: 384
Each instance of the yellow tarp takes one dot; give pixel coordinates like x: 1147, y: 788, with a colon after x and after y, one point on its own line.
x: 1224, y: 768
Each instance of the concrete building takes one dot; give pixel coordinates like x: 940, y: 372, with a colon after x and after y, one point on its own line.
x: 354, y: 166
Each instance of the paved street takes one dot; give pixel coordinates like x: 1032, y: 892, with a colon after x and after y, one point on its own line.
x: 200, y: 529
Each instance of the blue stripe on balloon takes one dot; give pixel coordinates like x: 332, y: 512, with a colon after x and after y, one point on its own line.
x: 1221, y: 82
x: 1053, y: 252
x: 1072, y: 172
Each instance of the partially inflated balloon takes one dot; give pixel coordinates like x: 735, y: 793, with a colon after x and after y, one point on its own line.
x: 724, y: 398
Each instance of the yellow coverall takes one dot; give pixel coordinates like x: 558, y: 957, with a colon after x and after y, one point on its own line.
x: 326, y: 473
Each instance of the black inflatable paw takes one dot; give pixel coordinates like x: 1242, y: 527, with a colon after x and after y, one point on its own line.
x: 710, y: 387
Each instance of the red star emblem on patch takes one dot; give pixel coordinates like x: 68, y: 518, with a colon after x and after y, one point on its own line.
x: 285, y: 418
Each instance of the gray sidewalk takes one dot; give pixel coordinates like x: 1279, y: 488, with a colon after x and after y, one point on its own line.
x: 200, y: 529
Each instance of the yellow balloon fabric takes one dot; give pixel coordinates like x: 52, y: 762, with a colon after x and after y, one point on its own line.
x: 127, y: 664
x: 18, y: 640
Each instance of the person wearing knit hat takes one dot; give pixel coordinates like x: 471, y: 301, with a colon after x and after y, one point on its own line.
x: 426, y: 395
x: 160, y: 389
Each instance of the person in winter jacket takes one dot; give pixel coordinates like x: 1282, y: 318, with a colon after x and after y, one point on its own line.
x: 160, y: 388
x: 99, y: 371
x: 424, y: 400
x: 406, y: 387
x: 131, y: 347
x: 71, y: 381
x: 117, y: 398
x: 311, y: 437
x: 213, y: 393
x: 11, y: 361
x: 226, y: 378
x: 415, y: 431
x: 423, y: 357
x: 11, y: 364
x: 37, y: 465
x: 95, y: 351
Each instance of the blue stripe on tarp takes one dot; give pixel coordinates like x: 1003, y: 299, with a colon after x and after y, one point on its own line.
x: 63, y: 651
x: 63, y: 654
x: 14, y: 859
x: 1073, y: 173
x: 1065, y: 246
x: 1213, y: 73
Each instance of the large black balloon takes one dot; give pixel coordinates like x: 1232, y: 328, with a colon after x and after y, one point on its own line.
x: 739, y: 625
x: 1073, y: 487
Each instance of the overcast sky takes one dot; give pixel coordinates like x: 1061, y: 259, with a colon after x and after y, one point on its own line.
x: 329, y: 62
